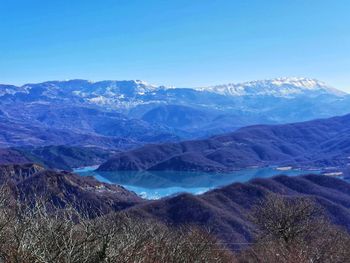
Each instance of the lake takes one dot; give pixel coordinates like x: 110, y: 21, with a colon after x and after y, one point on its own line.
x: 158, y: 184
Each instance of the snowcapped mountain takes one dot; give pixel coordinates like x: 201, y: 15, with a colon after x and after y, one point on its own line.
x: 10, y: 89
x: 108, y: 93
x: 280, y: 87
x: 88, y: 88
x: 116, y: 94
x: 106, y: 111
x: 131, y: 93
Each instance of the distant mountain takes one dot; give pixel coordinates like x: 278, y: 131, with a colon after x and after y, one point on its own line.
x: 318, y: 143
x: 41, y: 124
x: 11, y: 156
x: 9, y: 90
x: 128, y: 114
x: 114, y: 94
x: 24, y: 133
x: 63, y: 157
x: 281, y: 87
x: 129, y: 93
x: 176, y: 116
x: 226, y: 211
x: 57, y: 157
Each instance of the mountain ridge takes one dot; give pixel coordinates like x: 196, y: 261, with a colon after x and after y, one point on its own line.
x: 231, y: 89
x: 318, y: 143
x: 280, y: 87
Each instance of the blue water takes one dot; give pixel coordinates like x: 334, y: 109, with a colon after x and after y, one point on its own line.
x: 155, y: 185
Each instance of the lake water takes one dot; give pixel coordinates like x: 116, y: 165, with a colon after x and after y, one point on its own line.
x: 154, y: 185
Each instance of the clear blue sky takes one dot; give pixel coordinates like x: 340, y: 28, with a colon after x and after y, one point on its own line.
x: 175, y: 42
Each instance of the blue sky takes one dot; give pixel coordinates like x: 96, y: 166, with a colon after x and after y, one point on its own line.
x: 179, y: 42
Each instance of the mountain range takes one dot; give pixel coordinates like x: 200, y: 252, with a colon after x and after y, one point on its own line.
x: 280, y: 87
x: 129, y: 114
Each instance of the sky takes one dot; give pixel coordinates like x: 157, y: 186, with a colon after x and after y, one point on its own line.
x: 184, y: 43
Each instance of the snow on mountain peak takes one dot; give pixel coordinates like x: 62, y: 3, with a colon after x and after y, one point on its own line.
x: 134, y: 91
x: 305, y: 83
x: 279, y: 87
x: 141, y: 82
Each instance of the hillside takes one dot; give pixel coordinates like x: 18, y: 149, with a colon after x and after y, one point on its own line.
x: 30, y: 181
x: 318, y: 143
x: 56, y: 123
x: 61, y: 157
x: 225, y: 211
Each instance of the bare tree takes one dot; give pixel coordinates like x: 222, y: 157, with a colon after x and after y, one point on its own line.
x: 295, y: 230
x: 36, y: 232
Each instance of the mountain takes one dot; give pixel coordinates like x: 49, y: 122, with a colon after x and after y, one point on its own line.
x: 128, y: 114
x: 9, y: 89
x: 280, y: 87
x: 24, y: 133
x: 226, y: 211
x: 38, y: 124
x: 63, y: 157
x: 318, y: 143
x: 114, y: 94
x: 129, y: 93
x: 31, y: 181
x: 11, y: 156
x: 15, y: 173
x: 176, y: 116
x: 57, y: 157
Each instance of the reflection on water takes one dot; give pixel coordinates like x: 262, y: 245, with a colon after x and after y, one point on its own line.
x: 157, y: 184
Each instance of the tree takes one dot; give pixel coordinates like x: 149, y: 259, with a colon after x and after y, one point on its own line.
x: 37, y: 232
x: 295, y: 230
